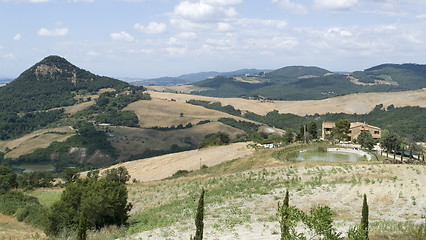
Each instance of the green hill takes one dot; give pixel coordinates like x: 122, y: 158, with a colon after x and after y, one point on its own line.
x: 309, y: 83
x: 53, y: 82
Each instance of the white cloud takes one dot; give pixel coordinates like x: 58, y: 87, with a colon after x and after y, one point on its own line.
x: 88, y: 1
x: 17, y: 37
x: 187, y: 35
x: 57, y: 32
x: 224, y: 27
x: 338, y: 32
x: 152, y: 28
x: 421, y: 16
x: 122, y: 36
x: 194, y: 10
x: 291, y: 6
x: 29, y: 1
x: 336, y: 4
x: 93, y: 53
x: 176, y: 51
x: 224, y: 2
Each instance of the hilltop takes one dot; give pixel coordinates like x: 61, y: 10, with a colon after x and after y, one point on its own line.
x: 311, y: 83
x: 52, y: 82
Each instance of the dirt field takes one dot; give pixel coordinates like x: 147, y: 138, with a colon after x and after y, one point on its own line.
x: 161, y: 111
x: 37, y: 139
x: 161, y: 167
x: 354, y: 103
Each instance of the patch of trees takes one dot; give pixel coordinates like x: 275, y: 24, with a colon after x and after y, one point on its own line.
x: 109, y: 105
x: 91, y: 203
x: 36, y: 179
x: 247, y: 127
x: 216, y: 106
x: 12, y: 125
x: 215, y: 139
x: 174, y: 148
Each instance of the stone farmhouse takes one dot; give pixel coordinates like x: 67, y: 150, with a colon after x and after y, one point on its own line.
x: 354, y: 130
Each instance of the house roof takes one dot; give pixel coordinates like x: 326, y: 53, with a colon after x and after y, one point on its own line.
x: 362, y: 126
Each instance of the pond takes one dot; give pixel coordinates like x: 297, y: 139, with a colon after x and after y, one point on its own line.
x: 27, y: 168
x: 329, y: 156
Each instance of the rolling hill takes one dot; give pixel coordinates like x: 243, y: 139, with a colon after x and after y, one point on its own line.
x: 191, y: 77
x: 311, y: 83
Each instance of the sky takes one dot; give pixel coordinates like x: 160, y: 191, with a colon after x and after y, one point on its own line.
x: 156, y: 38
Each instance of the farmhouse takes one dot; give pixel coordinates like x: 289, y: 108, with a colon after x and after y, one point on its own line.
x: 354, y: 130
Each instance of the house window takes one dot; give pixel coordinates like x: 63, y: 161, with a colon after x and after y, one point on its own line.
x: 376, y: 132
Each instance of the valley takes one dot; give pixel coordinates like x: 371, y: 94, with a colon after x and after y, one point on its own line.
x: 240, y: 149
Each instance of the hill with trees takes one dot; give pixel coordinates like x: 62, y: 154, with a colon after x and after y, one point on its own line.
x: 309, y: 83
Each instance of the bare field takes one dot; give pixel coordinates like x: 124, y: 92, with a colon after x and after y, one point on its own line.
x: 157, y: 168
x: 161, y: 111
x: 78, y: 107
x: 37, y: 139
x: 354, y: 103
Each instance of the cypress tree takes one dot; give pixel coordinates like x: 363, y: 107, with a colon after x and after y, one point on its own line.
x: 364, y: 219
x: 284, y: 215
x: 199, y: 218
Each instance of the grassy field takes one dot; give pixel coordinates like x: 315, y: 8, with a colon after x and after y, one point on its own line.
x: 353, y: 103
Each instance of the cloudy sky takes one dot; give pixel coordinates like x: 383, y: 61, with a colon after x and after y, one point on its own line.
x: 153, y: 38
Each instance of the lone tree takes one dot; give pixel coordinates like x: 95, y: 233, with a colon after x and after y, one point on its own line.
x: 284, y: 216
x: 389, y: 142
x: 199, y: 218
x: 366, y: 140
x: 341, y: 129
x: 364, y: 219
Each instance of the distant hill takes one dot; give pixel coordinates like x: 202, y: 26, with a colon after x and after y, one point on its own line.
x: 53, y: 82
x: 308, y: 83
x: 5, y: 80
x: 192, y: 77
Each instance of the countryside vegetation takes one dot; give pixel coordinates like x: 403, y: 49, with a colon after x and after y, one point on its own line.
x: 90, y: 157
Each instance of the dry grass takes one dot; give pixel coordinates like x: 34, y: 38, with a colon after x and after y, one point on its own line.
x: 353, y: 103
x: 78, y: 107
x: 163, y: 112
x: 11, y: 229
x: 157, y: 168
x: 37, y: 139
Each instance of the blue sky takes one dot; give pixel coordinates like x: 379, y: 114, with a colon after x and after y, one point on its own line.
x: 153, y: 38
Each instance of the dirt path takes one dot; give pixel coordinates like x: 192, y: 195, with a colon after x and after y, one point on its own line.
x: 353, y: 103
x: 161, y: 167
